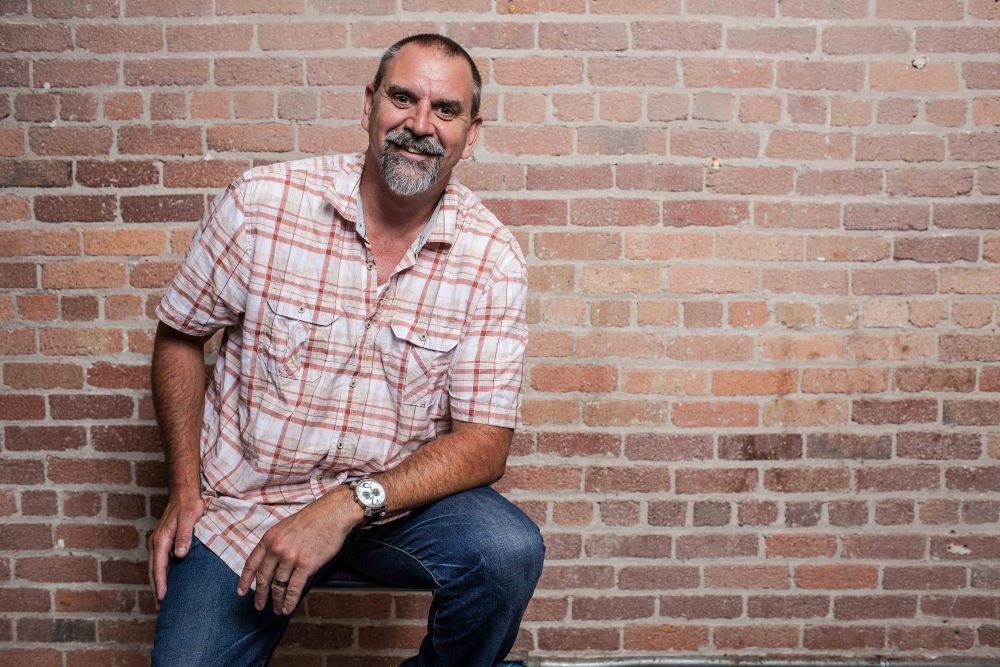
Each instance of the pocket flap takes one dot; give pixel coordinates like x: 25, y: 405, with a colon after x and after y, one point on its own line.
x: 303, y: 312
x: 437, y: 338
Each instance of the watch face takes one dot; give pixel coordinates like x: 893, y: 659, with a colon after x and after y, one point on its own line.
x: 371, y: 493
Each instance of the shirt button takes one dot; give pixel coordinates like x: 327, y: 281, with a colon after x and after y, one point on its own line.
x: 302, y: 309
x: 422, y: 336
x: 371, y: 265
x: 354, y: 383
x: 367, y: 324
x: 340, y: 445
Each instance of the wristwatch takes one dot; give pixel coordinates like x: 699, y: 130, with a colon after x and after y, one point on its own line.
x: 372, y: 497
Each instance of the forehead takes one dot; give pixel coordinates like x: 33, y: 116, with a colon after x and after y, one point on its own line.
x: 430, y: 72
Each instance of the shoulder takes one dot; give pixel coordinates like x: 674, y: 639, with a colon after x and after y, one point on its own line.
x: 480, y: 232
x: 310, y: 176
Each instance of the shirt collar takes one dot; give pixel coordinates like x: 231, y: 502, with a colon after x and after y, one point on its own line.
x: 344, y: 195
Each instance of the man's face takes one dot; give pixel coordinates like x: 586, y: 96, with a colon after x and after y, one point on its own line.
x: 419, y: 122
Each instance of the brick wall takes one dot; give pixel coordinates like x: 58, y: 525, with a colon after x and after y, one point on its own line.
x: 763, y: 403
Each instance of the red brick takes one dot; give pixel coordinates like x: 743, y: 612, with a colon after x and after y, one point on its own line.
x: 159, y: 140
x: 974, y: 146
x: 577, y: 576
x: 849, y: 446
x: 972, y: 412
x: 750, y: 180
x: 528, y: 211
x: 583, y: 36
x: 721, y: 7
x: 57, y: 568
x: 836, y: 576
x: 568, y: 638
x: 631, y: 71
x: 899, y: 478
x: 758, y: 635
x: 44, y: 438
x: 169, y: 7
x: 798, y: 480
x: 340, y: 71
x: 259, y: 137
x: 209, y: 38
x: 538, y: 71
x: 162, y: 208
x: 772, y: 40
x: 789, y: 144
x: 687, y: 638
x: 939, y: 249
x: 839, y: 182
x: 612, y: 608
x: 840, y: 637
x: 701, y: 606
x: 928, y: 10
x: 74, y: 73
x: 83, y: 274
x: 301, y: 36
x: 884, y: 547
x: 116, y: 174
x: 787, y: 606
x: 166, y: 72
x: 611, y: 479
x: 820, y: 75
x: 260, y: 7
x: 95, y: 536
x: 967, y: 216
x: 27, y: 37
x: 901, y: 76
x: 851, y: 40
x: 727, y: 73
x: 70, y: 140
x: 676, y: 35
x: 119, y: 38
x: 627, y: 546
x: 122, y: 106
x: 760, y: 446
x: 203, y: 173
x: 529, y: 140
x: 931, y: 637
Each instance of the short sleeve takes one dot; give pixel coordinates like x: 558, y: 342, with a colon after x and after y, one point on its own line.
x: 488, y: 366
x: 209, y: 290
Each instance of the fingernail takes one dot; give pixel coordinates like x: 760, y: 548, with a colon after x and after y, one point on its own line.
x: 181, y: 551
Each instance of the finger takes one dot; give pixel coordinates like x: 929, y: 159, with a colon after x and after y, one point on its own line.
x: 185, y: 527
x: 282, y: 573
x: 293, y: 592
x: 264, y: 575
x: 161, y: 558
x: 149, y: 568
x: 250, y: 569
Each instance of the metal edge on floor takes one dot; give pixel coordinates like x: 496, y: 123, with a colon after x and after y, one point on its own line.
x: 748, y: 661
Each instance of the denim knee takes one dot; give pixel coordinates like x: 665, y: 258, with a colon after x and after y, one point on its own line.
x: 513, y: 563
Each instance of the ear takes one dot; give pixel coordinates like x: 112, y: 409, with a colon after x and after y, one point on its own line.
x: 369, y: 100
x: 470, y: 139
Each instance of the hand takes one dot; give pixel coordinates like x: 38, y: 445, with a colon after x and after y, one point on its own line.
x: 174, y: 530
x: 293, y: 550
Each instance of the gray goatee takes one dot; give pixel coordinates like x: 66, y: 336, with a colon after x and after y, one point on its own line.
x: 404, y: 176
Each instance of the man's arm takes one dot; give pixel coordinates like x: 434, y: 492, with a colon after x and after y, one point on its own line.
x: 472, y: 455
x: 178, y: 397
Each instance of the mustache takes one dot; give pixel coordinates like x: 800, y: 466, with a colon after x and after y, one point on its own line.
x: 405, y: 139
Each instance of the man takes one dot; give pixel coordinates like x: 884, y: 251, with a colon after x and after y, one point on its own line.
x: 365, y: 393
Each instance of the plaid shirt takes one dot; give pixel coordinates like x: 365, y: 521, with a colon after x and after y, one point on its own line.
x: 321, y: 378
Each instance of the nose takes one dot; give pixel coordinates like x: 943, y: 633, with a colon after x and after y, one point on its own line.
x: 419, y: 121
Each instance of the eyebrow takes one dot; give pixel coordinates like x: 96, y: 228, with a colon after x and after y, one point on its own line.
x: 393, y: 89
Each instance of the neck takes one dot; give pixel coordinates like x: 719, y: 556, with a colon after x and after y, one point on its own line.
x: 389, y: 211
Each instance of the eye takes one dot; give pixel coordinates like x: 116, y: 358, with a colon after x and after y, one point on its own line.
x: 401, y: 100
x: 446, y: 112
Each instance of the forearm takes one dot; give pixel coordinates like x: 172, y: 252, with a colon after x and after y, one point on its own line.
x: 472, y: 455
x: 178, y: 383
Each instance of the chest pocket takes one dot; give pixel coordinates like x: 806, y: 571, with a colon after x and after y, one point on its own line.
x: 297, y: 340
x: 415, y: 358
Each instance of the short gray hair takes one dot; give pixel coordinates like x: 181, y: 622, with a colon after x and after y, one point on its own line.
x: 447, y: 45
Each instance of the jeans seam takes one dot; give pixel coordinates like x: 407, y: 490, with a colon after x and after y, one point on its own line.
x: 405, y: 552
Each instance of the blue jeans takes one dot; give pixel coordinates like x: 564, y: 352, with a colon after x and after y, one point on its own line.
x: 480, y: 554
